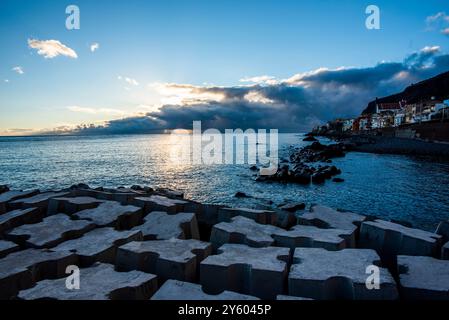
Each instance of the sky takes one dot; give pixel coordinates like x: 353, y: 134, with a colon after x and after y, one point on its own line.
x: 136, y: 66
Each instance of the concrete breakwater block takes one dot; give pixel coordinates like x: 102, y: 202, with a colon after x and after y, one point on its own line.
x: 390, y: 239
x: 178, y: 290
x: 162, y: 226
x: 259, y: 272
x: 40, y: 200
x: 13, y: 195
x: 20, y: 270
x: 72, y: 205
x: 15, y: 218
x: 260, y: 216
x: 328, y: 218
x: 443, y: 230
x: 99, y: 282
x: 50, y: 232
x: 6, y: 247
x: 327, y: 275
x: 160, y: 203
x: 168, y: 259
x: 423, y: 278
x: 124, y: 197
x: 246, y: 231
x: 445, y: 252
x: 112, y: 214
x: 99, y: 245
x: 243, y: 230
x: 313, y: 237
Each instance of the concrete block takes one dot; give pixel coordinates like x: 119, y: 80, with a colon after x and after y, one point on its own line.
x: 246, y: 231
x: 15, y: 218
x: 443, y: 230
x: 160, y: 203
x: 243, y: 230
x: 72, y: 205
x: 445, y: 251
x: 99, y: 282
x: 7, y: 247
x: 110, y: 195
x: 260, y: 216
x: 13, y: 195
x: 390, y: 239
x: 423, y: 278
x: 50, y: 232
x: 328, y: 275
x: 40, y: 200
x: 112, y: 214
x: 178, y: 290
x: 162, y: 226
x: 313, y: 237
x: 99, y: 245
x: 327, y: 218
x: 20, y: 270
x: 259, y: 272
x: 168, y: 259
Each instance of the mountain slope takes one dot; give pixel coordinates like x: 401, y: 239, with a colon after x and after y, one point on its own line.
x: 437, y: 87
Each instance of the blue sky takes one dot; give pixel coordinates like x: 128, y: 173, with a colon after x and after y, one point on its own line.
x: 199, y: 43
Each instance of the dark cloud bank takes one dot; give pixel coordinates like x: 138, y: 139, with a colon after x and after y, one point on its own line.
x: 293, y: 104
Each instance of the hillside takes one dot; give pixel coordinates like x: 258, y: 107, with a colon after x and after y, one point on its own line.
x: 437, y: 87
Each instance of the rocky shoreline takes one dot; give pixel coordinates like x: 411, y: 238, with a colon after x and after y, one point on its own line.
x: 310, y: 164
x: 148, y: 243
x: 392, y: 145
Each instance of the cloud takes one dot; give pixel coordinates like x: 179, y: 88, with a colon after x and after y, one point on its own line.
x: 103, y: 111
x: 18, y: 69
x: 293, y: 104
x: 439, y: 21
x: 51, y: 48
x: 94, y: 46
x: 128, y: 80
x: 259, y: 80
x: 6, y: 80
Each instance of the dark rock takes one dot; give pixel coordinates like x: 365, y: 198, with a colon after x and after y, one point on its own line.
x: 3, y: 189
x: 292, y: 207
x: 338, y: 180
x: 253, y: 168
x: 240, y: 194
x: 137, y: 188
x: 79, y: 186
x: 310, y: 138
x: 318, y: 177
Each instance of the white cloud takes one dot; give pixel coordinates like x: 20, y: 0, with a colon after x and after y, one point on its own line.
x: 51, y: 48
x: 102, y: 111
x: 132, y: 81
x: 94, y: 46
x: 439, y: 21
x: 128, y: 80
x: 18, y: 69
x: 6, y: 80
x: 437, y: 16
x: 173, y: 93
x: 260, y: 80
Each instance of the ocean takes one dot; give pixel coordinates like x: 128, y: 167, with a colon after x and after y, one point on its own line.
x: 388, y: 186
